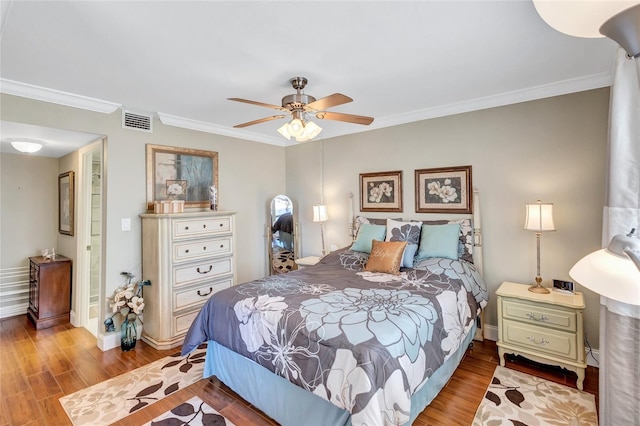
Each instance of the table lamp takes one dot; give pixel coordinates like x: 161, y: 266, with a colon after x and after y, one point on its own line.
x: 539, y: 218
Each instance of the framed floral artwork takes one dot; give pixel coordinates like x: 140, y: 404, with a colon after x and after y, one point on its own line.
x: 180, y: 174
x: 65, y: 203
x: 444, y: 190
x: 381, y: 192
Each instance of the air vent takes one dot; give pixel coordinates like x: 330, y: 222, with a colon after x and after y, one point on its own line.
x: 134, y: 121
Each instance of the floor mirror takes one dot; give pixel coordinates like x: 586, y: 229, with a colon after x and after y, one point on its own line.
x: 282, y: 236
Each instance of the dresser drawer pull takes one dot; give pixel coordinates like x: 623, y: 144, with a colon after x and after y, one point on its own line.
x: 186, y: 228
x: 540, y: 342
x: 204, y: 272
x: 540, y: 318
x: 204, y: 248
x: 206, y: 294
x: 204, y: 226
x: 186, y: 251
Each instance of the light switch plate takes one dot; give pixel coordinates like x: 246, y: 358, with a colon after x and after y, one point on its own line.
x: 126, y: 224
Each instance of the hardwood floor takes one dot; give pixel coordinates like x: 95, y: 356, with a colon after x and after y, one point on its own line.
x: 38, y: 367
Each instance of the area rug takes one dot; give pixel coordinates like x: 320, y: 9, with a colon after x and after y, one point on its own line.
x: 194, y: 412
x: 116, y: 398
x: 518, y: 399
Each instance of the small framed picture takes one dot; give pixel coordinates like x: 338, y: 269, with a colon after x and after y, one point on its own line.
x: 381, y: 192
x: 65, y: 203
x: 176, y: 189
x: 444, y: 190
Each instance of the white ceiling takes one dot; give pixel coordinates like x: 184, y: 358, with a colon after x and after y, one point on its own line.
x: 400, y: 61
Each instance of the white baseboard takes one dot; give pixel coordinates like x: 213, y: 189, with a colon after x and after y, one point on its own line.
x: 491, y: 333
x: 108, y: 341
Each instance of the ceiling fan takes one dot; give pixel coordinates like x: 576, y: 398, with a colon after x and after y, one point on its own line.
x: 299, y: 105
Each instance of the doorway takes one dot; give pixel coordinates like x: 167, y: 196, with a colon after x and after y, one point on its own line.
x: 90, y: 203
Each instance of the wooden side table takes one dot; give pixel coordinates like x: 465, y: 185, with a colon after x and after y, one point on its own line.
x: 546, y: 328
x: 49, y: 291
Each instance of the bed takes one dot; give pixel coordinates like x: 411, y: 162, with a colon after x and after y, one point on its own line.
x: 346, y: 342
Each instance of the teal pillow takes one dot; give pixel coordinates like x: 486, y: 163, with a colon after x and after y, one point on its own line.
x: 439, y: 241
x: 366, y: 234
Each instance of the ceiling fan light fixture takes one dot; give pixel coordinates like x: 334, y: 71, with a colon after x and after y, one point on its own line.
x: 284, y: 131
x: 311, y: 130
x: 296, y: 127
x: 28, y: 146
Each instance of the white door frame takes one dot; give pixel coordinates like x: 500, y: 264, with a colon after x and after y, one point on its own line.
x: 83, y: 258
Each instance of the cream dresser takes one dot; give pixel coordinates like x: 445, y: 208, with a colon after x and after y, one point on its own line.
x: 187, y: 257
x: 546, y: 328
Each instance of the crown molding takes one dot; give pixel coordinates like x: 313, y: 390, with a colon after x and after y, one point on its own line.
x: 203, y: 126
x: 564, y: 87
x: 590, y: 82
x: 31, y: 91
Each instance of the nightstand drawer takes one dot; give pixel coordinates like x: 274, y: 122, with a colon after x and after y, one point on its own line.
x: 198, y: 295
x: 537, y: 313
x: 201, y: 248
x: 203, y: 270
x: 201, y: 227
x: 541, y: 339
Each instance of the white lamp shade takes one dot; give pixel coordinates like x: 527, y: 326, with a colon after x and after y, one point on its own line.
x: 320, y: 213
x: 296, y: 127
x: 615, y: 277
x: 284, y: 131
x: 580, y: 18
x: 539, y: 217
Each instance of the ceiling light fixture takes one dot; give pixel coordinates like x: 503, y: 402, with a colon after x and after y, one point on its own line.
x: 28, y: 146
x: 299, y: 128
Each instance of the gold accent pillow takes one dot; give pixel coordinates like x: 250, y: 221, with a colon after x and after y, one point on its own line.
x: 386, y: 257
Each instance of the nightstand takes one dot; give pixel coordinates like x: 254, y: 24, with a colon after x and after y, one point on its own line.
x: 304, y: 262
x: 546, y: 328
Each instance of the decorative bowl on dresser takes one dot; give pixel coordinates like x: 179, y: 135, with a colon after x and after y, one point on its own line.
x: 546, y: 328
x: 49, y: 291
x: 187, y: 257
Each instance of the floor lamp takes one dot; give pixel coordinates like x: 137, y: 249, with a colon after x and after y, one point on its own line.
x: 320, y: 215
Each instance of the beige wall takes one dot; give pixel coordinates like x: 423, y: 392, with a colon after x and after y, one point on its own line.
x: 552, y: 149
x: 249, y: 176
x: 28, y: 201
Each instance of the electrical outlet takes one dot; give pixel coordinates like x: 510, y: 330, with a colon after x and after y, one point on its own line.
x: 334, y: 247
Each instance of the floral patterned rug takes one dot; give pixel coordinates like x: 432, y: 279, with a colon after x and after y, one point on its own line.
x: 116, y: 398
x: 194, y: 412
x: 518, y: 399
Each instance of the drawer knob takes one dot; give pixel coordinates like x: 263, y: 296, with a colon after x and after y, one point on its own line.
x: 540, y: 342
x: 540, y: 318
x: 204, y: 248
x: 221, y: 245
x: 206, y: 294
x: 186, y: 251
x: 204, y: 226
x: 186, y: 228
x: 221, y: 225
x: 204, y: 272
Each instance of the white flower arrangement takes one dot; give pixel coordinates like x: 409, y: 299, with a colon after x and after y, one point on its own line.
x: 127, y: 301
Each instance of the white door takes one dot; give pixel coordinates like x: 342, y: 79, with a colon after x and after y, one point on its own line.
x: 90, y: 197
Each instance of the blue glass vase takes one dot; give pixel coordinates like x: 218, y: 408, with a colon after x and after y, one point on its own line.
x: 128, y: 333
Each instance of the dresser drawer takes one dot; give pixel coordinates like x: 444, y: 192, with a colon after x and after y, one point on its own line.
x: 203, y: 270
x: 182, y: 322
x: 188, y: 228
x: 540, y: 339
x: 190, y: 250
x: 198, y: 295
x: 536, y: 313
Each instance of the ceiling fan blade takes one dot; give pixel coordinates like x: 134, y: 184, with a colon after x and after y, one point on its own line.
x: 349, y: 118
x: 328, y: 102
x: 262, y: 120
x: 246, y: 101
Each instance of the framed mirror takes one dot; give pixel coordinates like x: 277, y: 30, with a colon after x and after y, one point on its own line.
x: 282, y: 236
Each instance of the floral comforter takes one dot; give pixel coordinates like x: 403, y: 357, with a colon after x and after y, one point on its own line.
x: 363, y: 341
